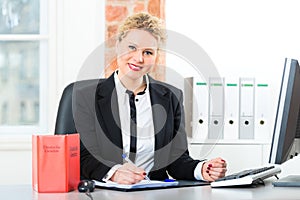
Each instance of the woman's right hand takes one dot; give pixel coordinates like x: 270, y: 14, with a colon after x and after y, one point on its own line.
x: 128, y: 174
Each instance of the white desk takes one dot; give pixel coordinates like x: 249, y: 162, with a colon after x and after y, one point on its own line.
x: 267, y: 191
x: 25, y: 192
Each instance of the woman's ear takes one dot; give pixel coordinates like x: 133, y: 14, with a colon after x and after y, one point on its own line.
x: 157, y: 57
x: 117, y: 47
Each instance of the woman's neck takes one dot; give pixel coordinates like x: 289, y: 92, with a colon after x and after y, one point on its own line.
x: 135, y: 86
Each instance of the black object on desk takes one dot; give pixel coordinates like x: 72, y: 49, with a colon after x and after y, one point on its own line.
x: 86, y: 186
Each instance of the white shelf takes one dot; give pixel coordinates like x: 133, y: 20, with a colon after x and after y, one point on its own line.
x: 193, y: 141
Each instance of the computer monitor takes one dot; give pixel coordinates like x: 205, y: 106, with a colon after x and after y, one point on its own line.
x: 285, y: 142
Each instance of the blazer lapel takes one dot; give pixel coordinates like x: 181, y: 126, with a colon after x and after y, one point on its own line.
x: 107, y: 110
x: 160, y: 107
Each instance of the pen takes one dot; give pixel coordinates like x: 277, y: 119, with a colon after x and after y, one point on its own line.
x: 124, y: 156
x: 169, y: 180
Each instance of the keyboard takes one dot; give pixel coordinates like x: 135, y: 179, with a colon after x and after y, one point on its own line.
x: 247, y: 177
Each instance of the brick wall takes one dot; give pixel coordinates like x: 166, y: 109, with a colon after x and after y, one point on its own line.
x: 115, y: 12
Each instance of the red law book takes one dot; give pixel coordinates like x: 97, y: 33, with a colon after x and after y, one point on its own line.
x: 55, y: 162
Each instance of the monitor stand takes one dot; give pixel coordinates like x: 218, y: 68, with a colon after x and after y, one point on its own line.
x: 288, y: 181
x: 290, y: 174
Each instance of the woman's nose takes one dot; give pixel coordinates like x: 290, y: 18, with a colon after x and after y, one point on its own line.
x: 138, y: 56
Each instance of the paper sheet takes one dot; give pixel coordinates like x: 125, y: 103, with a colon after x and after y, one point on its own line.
x: 142, y: 184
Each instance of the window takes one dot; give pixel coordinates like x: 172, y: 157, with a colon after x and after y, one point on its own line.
x: 24, y: 56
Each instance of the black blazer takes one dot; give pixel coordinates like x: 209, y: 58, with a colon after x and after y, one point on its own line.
x: 97, y: 119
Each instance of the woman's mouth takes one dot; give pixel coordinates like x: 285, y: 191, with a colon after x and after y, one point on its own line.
x: 134, y: 67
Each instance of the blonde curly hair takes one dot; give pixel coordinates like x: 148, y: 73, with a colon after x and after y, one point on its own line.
x: 144, y: 21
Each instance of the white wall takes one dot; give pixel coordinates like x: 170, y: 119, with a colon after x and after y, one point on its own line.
x: 250, y: 37
x: 243, y: 38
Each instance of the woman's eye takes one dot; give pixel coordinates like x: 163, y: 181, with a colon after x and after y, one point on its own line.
x: 148, y: 53
x: 131, y: 47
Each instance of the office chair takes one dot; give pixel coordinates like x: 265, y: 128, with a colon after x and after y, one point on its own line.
x: 64, y: 120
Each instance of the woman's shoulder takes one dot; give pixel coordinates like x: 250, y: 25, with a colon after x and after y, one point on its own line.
x: 86, y: 84
x: 87, y: 88
x: 160, y: 85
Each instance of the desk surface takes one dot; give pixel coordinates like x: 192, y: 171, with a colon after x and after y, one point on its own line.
x: 25, y: 192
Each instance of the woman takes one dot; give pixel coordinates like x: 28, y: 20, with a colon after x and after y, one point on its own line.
x: 134, y: 115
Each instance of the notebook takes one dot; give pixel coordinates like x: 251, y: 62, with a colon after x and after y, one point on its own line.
x: 146, y: 185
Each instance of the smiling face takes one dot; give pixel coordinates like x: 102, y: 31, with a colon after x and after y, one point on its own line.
x: 136, y: 54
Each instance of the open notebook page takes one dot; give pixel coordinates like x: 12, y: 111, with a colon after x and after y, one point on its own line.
x: 141, y: 184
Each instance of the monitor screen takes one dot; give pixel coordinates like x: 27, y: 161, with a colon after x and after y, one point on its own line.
x: 287, y: 121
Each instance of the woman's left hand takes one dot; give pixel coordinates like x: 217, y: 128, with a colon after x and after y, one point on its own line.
x: 214, y: 169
